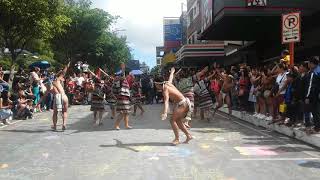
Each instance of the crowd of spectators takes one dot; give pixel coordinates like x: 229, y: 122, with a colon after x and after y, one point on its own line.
x: 276, y: 92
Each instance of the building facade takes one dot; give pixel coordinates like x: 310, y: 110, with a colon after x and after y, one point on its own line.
x: 197, y: 52
x: 258, y: 25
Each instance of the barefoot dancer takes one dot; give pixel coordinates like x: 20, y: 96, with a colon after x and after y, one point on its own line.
x: 60, y: 98
x: 137, y: 96
x: 205, y: 99
x: 123, y: 106
x: 110, y: 97
x: 180, y: 111
x: 97, y: 99
x: 185, y: 86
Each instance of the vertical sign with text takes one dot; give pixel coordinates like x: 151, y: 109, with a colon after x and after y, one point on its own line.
x: 291, y: 27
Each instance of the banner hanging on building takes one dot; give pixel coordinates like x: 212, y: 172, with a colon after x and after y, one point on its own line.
x: 172, y: 30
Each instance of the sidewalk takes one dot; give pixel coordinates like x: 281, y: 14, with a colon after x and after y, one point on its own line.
x: 291, y: 132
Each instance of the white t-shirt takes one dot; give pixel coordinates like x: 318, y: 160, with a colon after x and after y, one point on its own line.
x: 79, y: 81
x: 34, y: 77
x: 281, y: 80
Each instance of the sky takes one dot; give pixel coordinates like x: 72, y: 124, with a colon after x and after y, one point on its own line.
x: 142, y: 21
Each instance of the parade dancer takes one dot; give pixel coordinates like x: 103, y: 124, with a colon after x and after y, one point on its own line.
x: 123, y: 106
x: 110, y: 97
x: 60, y: 98
x: 98, y: 100
x: 180, y: 111
x: 186, y: 86
x: 201, y: 89
x: 137, y: 96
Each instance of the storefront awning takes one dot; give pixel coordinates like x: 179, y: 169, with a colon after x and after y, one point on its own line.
x: 200, y: 52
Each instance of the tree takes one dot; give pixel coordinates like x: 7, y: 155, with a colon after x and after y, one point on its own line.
x: 87, y: 26
x: 24, y: 21
x: 155, y: 70
x: 111, y: 51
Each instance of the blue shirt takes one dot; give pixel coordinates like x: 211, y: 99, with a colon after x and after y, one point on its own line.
x: 316, y: 71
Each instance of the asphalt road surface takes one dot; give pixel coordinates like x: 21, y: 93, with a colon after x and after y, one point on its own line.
x: 222, y: 150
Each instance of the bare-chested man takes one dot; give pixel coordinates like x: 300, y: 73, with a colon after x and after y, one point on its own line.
x: 183, y: 106
x: 60, y: 98
x: 225, y: 94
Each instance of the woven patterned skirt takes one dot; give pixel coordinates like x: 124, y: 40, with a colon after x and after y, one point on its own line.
x: 123, y: 105
x: 97, y: 104
x: 137, y: 100
x: 205, y: 101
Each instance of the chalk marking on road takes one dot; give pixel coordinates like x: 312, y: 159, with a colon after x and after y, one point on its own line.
x: 3, y: 166
x: 15, y: 122
x: 273, y: 159
x: 265, y: 134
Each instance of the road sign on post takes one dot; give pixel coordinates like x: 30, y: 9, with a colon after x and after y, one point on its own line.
x: 291, y: 27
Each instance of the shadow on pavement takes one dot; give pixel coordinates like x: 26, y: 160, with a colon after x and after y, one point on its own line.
x: 285, y: 149
x: 27, y: 131
x: 119, y: 144
x: 311, y: 164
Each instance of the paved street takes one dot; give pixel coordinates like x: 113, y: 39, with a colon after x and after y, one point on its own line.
x: 221, y: 150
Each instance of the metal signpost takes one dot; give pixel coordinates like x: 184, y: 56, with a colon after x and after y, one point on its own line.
x: 291, y: 31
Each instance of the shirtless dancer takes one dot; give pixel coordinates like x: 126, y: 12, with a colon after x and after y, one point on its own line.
x: 225, y: 94
x: 169, y: 91
x: 60, y: 98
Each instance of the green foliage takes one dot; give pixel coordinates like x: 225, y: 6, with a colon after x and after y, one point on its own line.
x: 56, y: 30
x: 111, y: 51
x: 5, y: 62
x: 79, y: 39
x: 155, y: 70
x: 23, y: 21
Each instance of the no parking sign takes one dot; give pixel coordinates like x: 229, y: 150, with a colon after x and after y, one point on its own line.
x: 291, y: 27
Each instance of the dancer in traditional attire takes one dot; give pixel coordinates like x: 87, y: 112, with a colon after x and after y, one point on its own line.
x: 186, y: 86
x: 98, y: 101
x: 183, y: 106
x: 60, y: 98
x: 123, y: 106
x: 137, y: 96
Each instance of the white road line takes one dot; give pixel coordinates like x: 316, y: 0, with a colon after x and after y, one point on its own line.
x: 267, y: 135
x: 15, y: 122
x: 274, y: 159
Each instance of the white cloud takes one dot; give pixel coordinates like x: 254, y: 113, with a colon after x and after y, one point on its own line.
x: 142, y: 20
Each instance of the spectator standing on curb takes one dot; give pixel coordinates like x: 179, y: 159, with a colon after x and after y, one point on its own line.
x: 313, y: 92
x: 35, y: 83
x: 280, y: 89
x: 244, y: 84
